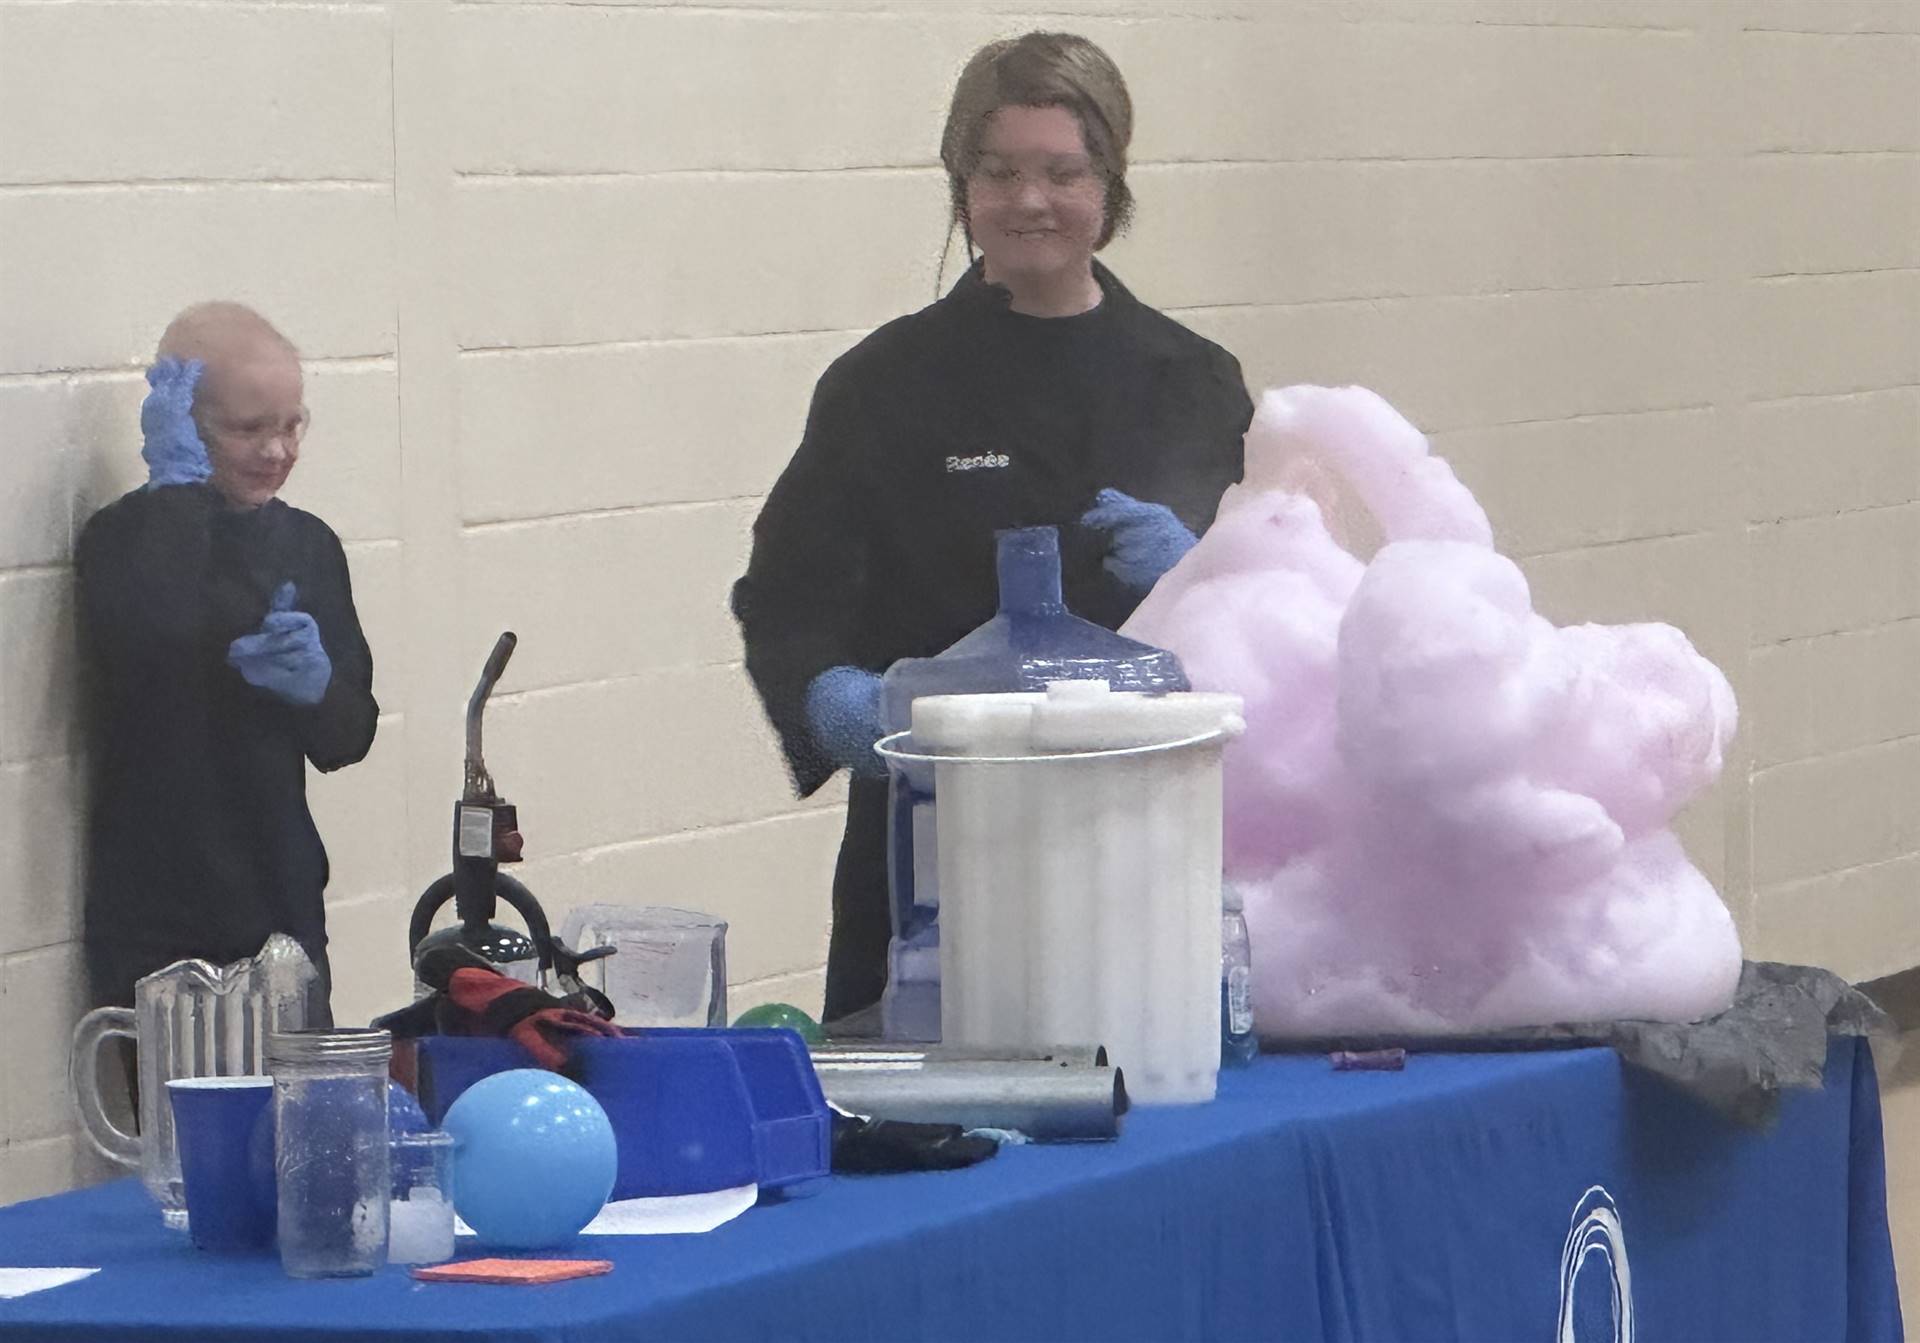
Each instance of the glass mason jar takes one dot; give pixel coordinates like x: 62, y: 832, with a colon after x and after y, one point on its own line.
x: 331, y: 1157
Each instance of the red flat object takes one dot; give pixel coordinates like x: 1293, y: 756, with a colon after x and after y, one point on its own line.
x: 512, y: 1271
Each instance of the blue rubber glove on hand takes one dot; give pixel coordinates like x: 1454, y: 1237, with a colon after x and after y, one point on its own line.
x: 170, y: 440
x: 286, y: 657
x: 1147, y: 538
x: 843, y: 713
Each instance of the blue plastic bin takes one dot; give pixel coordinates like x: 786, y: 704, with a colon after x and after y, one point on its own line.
x: 792, y: 1130
x: 692, y: 1110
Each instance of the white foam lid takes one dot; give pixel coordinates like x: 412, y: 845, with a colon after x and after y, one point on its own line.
x: 1070, y: 716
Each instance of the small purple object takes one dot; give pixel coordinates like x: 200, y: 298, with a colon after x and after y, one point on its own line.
x: 1369, y: 1060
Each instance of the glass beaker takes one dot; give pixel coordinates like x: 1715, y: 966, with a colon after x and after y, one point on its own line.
x: 420, y: 1222
x: 669, y: 966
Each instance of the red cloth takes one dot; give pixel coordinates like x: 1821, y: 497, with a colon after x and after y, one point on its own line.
x: 494, y: 1004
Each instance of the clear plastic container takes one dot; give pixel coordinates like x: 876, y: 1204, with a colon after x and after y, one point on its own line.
x: 1034, y: 641
x: 1080, y: 872
x: 1238, y: 1045
x: 331, y: 1155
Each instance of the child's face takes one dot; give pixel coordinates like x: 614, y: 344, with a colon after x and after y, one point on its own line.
x: 252, y: 419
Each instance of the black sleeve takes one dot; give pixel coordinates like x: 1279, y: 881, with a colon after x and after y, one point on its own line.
x: 1227, y: 410
x: 800, y: 601
x: 338, y: 731
x: 146, y: 601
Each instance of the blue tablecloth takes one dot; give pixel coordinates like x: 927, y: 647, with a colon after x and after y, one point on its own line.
x: 1472, y: 1198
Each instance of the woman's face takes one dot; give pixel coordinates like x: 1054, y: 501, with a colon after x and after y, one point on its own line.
x: 1035, y: 202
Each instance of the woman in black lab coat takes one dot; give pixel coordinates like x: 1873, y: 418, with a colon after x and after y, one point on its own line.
x: 1037, y: 392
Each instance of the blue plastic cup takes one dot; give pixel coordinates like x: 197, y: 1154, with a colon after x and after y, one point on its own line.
x: 223, y: 1127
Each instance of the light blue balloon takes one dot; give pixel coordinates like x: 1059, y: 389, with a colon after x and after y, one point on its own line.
x: 533, y: 1158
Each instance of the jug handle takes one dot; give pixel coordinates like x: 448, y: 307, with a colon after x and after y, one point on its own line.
x: 83, y: 1082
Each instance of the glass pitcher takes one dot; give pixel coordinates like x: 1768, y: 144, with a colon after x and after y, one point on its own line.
x: 190, y: 1019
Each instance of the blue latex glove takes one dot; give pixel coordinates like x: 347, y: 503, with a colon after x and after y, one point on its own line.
x: 1147, y: 539
x: 843, y: 712
x: 170, y: 440
x: 286, y: 657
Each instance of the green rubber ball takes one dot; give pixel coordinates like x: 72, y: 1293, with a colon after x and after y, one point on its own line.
x: 784, y: 1015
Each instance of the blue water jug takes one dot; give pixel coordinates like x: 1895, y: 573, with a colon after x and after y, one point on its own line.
x: 1033, y: 640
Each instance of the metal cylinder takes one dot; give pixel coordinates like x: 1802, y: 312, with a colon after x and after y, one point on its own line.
x: 878, y: 1053
x: 1047, y: 1101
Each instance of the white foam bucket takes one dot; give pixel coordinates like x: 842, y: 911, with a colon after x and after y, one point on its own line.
x: 1079, y: 847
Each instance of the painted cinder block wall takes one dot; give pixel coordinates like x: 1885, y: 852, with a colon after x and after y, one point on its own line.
x: 565, y: 274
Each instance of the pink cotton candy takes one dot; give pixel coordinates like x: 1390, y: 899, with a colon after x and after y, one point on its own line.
x: 1446, y: 813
